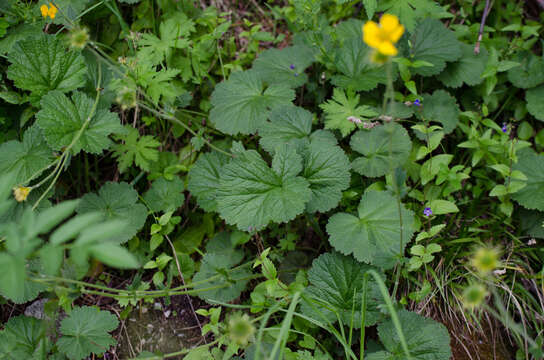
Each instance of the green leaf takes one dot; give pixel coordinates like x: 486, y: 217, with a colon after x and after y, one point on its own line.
x: 165, y: 195
x: 433, y: 42
x: 274, y: 65
x: 116, y: 201
x: 441, y: 107
x: 73, y: 227
x: 114, y: 255
x: 530, y: 73
x: 251, y: 194
x: 173, y: 33
x: 532, y: 165
x: 241, y: 104
x: 426, y: 339
x: 384, y: 148
x: 62, y: 119
x: 25, y: 158
x: 42, y: 64
x: 23, y: 338
x: 85, y: 331
x: 12, y: 282
x: 370, y: 8
x: 204, y: 179
x: 358, y: 73
x: 535, y: 105
x: 230, y: 282
x: 409, y: 11
x: 468, y: 69
x: 341, y: 108
x: 440, y: 207
x: 374, y: 235
x: 337, y: 281
x: 135, y: 149
x: 531, y: 223
x: 326, y: 168
x: 287, y: 125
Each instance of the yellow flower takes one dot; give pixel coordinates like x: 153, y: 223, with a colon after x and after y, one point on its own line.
x: 21, y: 193
x: 382, y: 37
x: 50, y: 11
x: 44, y: 9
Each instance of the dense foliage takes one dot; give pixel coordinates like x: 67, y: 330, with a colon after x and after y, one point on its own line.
x: 316, y: 179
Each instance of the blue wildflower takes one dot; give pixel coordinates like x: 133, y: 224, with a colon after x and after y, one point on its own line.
x: 296, y: 74
x: 292, y: 67
x: 417, y: 102
x: 427, y: 211
x: 504, y: 128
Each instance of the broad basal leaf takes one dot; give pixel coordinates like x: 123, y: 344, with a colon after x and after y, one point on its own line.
x: 434, y: 43
x: 468, y: 69
x: 357, y: 71
x: 531, y: 165
x: 204, y: 179
x: 531, y: 222
x: 251, y: 194
x: 326, y: 167
x: 535, y: 102
x: 343, y: 112
x: 530, y: 73
x: 165, y: 195
x: 336, y: 281
x: 23, y: 338
x: 373, y: 236
x: 287, y: 125
x: 25, y: 158
x: 228, y: 285
x: 441, y: 107
x: 285, y: 66
x: 116, y: 201
x: 384, y: 148
x: 85, y: 331
x: 426, y: 339
x: 42, y: 64
x: 63, y: 119
x: 242, y: 103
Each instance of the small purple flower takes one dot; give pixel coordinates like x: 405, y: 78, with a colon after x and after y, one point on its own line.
x: 417, y: 102
x: 504, y: 128
x: 427, y: 211
x: 292, y: 66
x: 296, y: 74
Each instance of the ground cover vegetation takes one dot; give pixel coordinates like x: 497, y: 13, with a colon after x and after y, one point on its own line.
x: 288, y: 179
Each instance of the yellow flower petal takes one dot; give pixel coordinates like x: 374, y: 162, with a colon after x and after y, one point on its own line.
x: 52, y: 11
x: 395, y: 35
x: 44, y: 10
x: 391, y: 27
x: 371, y: 34
x: 387, y: 48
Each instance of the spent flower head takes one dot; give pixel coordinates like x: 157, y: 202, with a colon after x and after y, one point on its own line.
x: 486, y: 259
x: 384, y: 35
x: 79, y: 37
x: 50, y: 11
x: 474, y: 295
x: 240, y: 329
x: 20, y: 193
